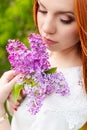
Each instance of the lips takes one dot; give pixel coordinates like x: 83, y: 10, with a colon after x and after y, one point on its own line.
x: 49, y: 41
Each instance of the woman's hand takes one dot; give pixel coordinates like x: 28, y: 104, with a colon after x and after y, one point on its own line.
x: 7, y: 81
x: 12, y: 105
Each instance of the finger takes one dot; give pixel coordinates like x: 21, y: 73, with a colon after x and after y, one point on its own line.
x: 19, y: 98
x: 11, y: 84
x: 17, y: 104
x: 9, y: 75
x: 14, y: 103
x: 23, y: 93
x: 11, y: 99
x: 15, y: 108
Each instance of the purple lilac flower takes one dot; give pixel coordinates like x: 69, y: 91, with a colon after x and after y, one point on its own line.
x: 39, y: 53
x: 28, y: 61
x: 32, y: 64
x: 45, y: 84
x: 18, y: 56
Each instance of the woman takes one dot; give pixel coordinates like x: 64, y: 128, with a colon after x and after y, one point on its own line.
x: 62, y: 25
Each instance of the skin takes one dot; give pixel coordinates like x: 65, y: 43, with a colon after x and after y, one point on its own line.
x: 58, y: 28
x: 7, y: 81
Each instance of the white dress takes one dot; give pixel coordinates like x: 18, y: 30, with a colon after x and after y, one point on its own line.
x: 58, y: 112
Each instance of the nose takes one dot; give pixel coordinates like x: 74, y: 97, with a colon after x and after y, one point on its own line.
x: 49, y: 25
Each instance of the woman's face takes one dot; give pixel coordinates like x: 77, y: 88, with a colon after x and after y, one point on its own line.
x: 57, y: 25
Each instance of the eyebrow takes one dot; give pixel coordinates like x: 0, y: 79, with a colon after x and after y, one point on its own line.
x: 65, y: 12
x: 58, y: 12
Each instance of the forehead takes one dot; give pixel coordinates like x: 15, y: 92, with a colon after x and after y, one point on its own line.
x: 58, y: 4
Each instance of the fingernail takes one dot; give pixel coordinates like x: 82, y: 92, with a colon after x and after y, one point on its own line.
x: 23, y: 91
x: 15, y: 108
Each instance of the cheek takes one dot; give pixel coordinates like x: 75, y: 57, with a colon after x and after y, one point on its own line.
x: 39, y: 21
x: 71, y: 35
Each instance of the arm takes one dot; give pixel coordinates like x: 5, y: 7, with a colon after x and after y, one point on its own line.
x: 7, y: 82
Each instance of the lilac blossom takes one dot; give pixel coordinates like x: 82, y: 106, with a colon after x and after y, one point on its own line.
x: 33, y: 63
x: 26, y: 60
x: 45, y: 84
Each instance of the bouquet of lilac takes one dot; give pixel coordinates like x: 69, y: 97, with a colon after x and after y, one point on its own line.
x: 37, y: 78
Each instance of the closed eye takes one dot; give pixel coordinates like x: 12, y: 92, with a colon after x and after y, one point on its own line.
x: 42, y: 11
x: 66, y: 21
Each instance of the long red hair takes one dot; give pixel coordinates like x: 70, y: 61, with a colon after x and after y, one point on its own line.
x: 81, y: 19
x: 35, y: 8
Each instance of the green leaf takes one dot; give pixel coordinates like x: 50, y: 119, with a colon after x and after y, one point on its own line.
x: 16, y: 91
x: 50, y: 71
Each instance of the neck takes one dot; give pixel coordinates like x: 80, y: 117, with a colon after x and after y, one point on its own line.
x: 67, y: 58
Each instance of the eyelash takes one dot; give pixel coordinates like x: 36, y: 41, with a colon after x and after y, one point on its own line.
x: 67, y: 21
x: 42, y: 11
x: 62, y: 20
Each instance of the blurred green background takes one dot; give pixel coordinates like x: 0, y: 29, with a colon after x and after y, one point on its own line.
x: 16, y: 22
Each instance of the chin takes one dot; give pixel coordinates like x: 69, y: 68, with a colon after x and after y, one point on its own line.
x: 52, y: 48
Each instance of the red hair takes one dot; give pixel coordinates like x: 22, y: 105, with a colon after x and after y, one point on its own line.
x: 81, y: 19
x: 35, y: 8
